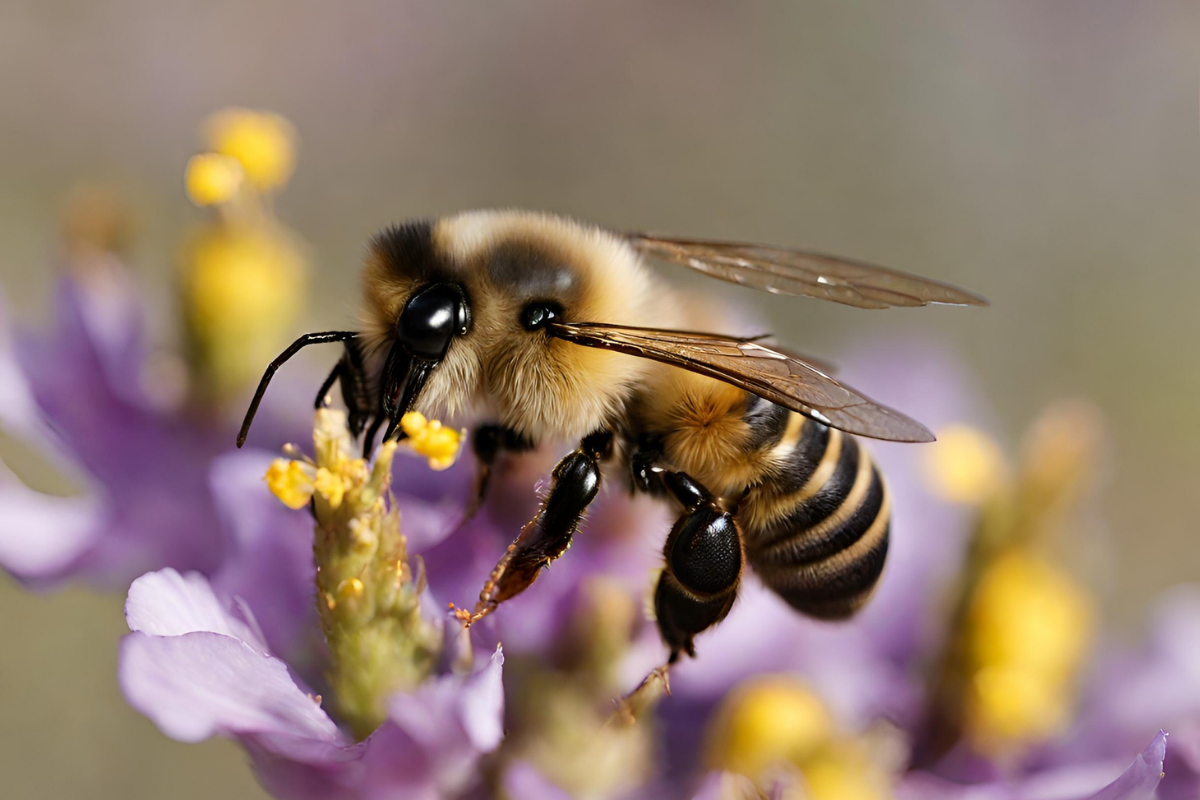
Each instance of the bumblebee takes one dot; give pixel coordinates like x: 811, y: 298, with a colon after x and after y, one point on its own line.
x: 550, y: 330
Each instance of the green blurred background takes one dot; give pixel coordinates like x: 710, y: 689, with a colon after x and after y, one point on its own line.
x: 1042, y: 152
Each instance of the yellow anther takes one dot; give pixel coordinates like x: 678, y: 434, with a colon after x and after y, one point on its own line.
x: 351, y: 588
x: 291, y: 482
x: 767, y: 722
x: 264, y: 143
x: 431, y: 439
x: 964, y: 465
x: 212, y: 178
x: 330, y: 486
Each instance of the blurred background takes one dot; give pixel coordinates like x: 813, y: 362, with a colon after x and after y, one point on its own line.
x: 1044, y: 154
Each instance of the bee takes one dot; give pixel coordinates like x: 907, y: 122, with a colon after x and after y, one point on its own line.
x: 546, y: 329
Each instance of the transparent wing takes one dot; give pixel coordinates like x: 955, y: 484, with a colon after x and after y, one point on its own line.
x: 784, y: 379
x: 796, y: 272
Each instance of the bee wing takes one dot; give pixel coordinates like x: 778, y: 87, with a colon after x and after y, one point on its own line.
x: 783, y: 379
x: 796, y: 272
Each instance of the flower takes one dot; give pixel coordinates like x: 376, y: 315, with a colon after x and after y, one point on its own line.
x: 77, y: 400
x: 128, y: 432
x: 243, y: 275
x: 198, y: 669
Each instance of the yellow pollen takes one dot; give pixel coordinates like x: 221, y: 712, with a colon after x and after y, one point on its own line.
x: 431, y: 439
x: 964, y: 465
x: 264, y: 143
x: 290, y: 482
x: 212, y: 178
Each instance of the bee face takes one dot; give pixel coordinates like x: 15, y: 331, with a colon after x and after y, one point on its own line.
x: 516, y: 273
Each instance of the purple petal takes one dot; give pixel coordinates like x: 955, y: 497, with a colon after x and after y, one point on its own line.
x: 724, y: 785
x: 431, y: 745
x: 200, y: 684
x: 522, y: 780
x: 446, y: 710
x: 1075, y: 782
x: 165, y: 603
x: 270, y: 566
x: 1140, y: 781
x: 41, y: 534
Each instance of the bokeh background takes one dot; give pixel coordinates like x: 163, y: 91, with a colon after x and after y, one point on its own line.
x: 1042, y: 152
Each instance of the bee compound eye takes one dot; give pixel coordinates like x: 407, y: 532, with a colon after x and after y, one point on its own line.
x: 430, y: 319
x: 539, y: 315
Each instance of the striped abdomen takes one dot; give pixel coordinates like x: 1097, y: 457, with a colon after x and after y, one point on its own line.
x: 816, y: 526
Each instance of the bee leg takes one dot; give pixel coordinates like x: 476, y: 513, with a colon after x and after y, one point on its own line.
x: 645, y: 475
x: 488, y: 442
x: 350, y: 377
x: 355, y: 392
x: 335, y: 375
x: 703, y: 553
x: 575, y: 482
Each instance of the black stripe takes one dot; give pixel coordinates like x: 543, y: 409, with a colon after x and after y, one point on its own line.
x: 767, y: 423
x: 803, y: 549
x: 830, y: 596
x: 820, y: 506
x: 804, y: 459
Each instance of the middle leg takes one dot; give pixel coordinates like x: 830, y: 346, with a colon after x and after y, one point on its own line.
x: 576, y: 481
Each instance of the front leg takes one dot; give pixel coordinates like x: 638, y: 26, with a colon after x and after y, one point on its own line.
x: 576, y: 480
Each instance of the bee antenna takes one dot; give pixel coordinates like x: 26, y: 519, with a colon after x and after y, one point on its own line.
x: 295, y: 347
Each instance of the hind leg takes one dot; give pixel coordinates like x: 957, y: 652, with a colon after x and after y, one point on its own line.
x: 699, y: 581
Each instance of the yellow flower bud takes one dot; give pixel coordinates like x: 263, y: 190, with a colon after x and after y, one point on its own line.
x: 264, y: 143
x: 212, y: 178
x: 1029, y: 628
x: 766, y: 722
x: 964, y: 465
x: 290, y: 481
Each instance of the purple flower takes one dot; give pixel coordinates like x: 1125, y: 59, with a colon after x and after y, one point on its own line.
x: 78, y: 399
x: 198, y: 668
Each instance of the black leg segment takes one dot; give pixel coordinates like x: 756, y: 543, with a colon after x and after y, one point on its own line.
x: 575, y: 483
x: 280, y: 360
x: 703, y: 567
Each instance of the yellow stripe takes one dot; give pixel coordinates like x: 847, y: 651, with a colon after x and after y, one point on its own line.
x: 824, y: 470
x: 858, y: 490
x: 765, y: 507
x: 790, y: 438
x: 809, y: 576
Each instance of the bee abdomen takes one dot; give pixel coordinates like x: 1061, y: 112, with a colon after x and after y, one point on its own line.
x: 821, y: 545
